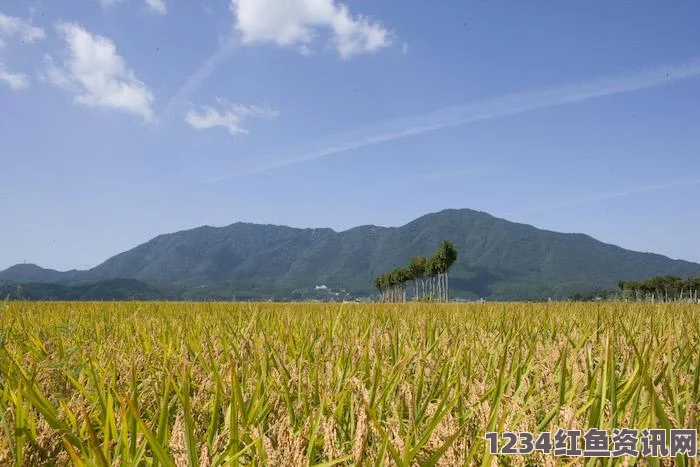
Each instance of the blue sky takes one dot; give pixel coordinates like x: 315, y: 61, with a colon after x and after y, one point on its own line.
x: 125, y: 119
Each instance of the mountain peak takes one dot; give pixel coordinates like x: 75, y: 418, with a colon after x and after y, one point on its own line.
x: 25, y: 267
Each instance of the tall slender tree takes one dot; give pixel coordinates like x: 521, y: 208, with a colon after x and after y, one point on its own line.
x: 446, y: 257
x: 416, y: 267
x: 433, y: 269
x: 419, y: 271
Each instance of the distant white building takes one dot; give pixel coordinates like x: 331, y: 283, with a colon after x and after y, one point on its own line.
x: 321, y: 287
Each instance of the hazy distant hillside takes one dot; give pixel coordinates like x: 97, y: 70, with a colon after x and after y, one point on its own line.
x: 497, y: 258
x: 34, y: 273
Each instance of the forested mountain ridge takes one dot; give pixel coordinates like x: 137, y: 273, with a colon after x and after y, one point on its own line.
x: 497, y: 258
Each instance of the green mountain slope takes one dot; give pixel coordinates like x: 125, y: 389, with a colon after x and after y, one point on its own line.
x: 114, y: 289
x: 497, y: 258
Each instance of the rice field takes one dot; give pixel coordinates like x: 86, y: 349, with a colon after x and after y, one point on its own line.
x: 334, y: 384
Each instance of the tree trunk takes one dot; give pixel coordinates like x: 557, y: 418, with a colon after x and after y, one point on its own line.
x: 442, y: 285
x: 436, y: 294
x: 447, y: 287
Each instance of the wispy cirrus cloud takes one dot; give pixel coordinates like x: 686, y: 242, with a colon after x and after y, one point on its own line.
x: 610, y: 195
x: 196, y: 79
x: 288, y: 23
x: 488, y: 109
x: 228, y: 115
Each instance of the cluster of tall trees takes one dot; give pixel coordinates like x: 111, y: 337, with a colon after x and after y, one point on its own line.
x: 661, y: 289
x: 426, y: 278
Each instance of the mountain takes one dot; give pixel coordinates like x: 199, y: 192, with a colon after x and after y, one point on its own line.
x: 33, y: 273
x: 497, y: 259
x: 114, y: 289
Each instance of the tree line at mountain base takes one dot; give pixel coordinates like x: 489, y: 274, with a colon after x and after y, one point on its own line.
x: 429, y: 285
x: 661, y: 289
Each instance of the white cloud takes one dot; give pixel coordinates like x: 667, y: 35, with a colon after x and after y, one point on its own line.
x: 612, y: 195
x: 11, y: 26
x: 97, y: 75
x: 290, y: 23
x: 195, y: 80
x: 231, y: 116
x: 296, y: 23
x: 15, y: 81
x: 157, y: 6
x: 109, y: 3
